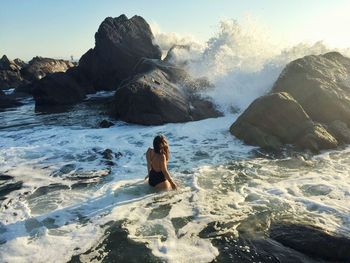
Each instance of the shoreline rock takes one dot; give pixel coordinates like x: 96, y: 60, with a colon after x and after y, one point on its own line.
x: 317, y: 87
x: 159, y: 96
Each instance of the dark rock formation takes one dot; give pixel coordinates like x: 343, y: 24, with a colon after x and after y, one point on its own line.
x: 6, y: 188
x: 17, y: 74
x: 320, y: 84
x: 158, y: 96
x: 115, y: 246
x: 314, y: 113
x: 10, y: 75
x: 105, y: 124
x: 246, y: 248
x: 57, y: 89
x: 20, y: 63
x: 120, y: 44
x: 312, y: 241
x: 277, y: 119
x: 8, y: 101
x: 39, y: 67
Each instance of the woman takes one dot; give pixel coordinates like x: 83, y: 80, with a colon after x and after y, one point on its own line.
x: 157, y: 162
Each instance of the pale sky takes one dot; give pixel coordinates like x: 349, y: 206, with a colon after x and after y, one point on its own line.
x: 66, y: 27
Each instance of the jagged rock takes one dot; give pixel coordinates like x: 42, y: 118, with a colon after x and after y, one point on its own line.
x: 119, y: 45
x: 320, y: 84
x: 10, y: 76
x: 277, y: 119
x: 20, y: 63
x: 39, y: 67
x: 155, y: 98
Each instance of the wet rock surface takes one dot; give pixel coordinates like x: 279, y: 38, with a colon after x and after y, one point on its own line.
x: 115, y: 246
x: 312, y: 241
x: 7, y: 187
x: 280, y: 242
x: 8, y: 101
x: 159, y: 96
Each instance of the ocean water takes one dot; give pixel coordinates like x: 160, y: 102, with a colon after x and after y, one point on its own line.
x: 70, y: 192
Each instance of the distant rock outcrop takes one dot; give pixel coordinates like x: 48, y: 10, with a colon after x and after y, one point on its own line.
x: 120, y: 44
x: 10, y: 75
x: 309, y: 107
x: 158, y: 96
x: 39, y: 67
x: 18, y: 74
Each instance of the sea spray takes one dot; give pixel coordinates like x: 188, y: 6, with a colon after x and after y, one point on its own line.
x: 242, y: 59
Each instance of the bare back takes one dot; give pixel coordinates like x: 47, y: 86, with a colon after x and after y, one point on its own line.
x: 156, y: 160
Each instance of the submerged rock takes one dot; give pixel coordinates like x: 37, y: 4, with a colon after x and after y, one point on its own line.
x: 317, y: 114
x: 6, y: 188
x: 8, y: 101
x: 277, y: 119
x: 159, y: 96
x: 119, y: 45
x: 115, y: 246
x: 105, y: 124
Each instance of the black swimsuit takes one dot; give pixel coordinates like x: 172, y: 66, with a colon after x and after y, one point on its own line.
x: 155, y: 177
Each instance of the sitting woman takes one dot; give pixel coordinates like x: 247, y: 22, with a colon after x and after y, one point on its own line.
x: 157, y: 162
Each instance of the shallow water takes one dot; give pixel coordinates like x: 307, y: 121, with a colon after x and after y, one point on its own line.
x: 71, y: 191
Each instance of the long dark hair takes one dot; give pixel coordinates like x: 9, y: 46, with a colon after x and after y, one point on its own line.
x: 161, y: 146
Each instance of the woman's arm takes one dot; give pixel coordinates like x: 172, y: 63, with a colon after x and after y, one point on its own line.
x: 165, y: 171
x: 148, y: 158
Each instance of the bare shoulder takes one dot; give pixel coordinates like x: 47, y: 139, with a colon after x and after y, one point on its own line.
x: 163, y: 158
x: 149, y: 151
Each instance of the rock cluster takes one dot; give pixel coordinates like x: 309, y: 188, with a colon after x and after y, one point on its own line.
x: 17, y: 73
x: 148, y: 89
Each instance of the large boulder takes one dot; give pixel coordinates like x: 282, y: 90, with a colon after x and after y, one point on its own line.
x: 57, y: 89
x: 320, y: 84
x: 39, y: 67
x: 10, y: 75
x: 158, y: 96
x: 319, y: 89
x: 277, y: 119
x: 120, y: 43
